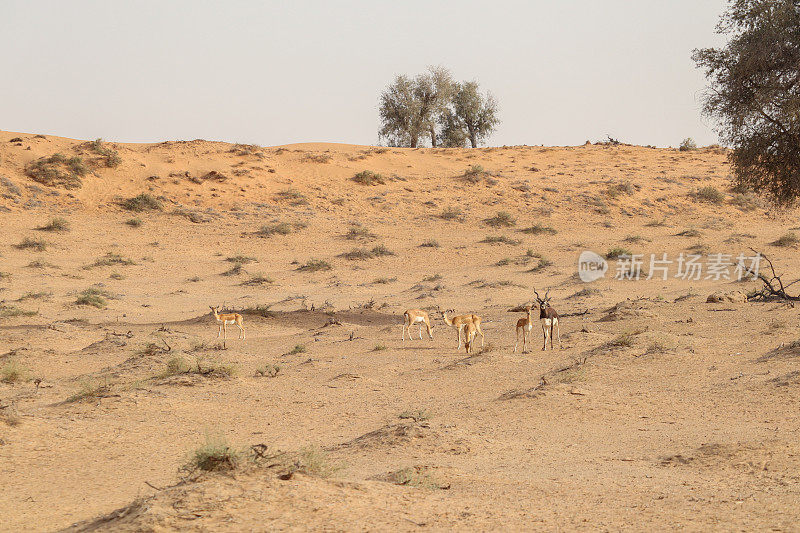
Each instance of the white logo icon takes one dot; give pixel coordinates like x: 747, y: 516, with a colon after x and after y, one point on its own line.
x: 591, y: 266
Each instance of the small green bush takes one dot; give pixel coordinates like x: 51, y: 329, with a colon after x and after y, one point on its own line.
x: 687, y: 145
x: 788, y: 240
x: 58, y: 170
x: 502, y: 219
x: 709, y: 194
x: 56, y: 224
x: 538, y: 229
x: 32, y: 243
x: 615, y: 253
x: 141, y: 202
x: 367, y: 177
x: 314, y: 265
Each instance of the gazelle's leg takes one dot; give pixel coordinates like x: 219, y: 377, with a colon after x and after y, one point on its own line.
x: 516, y: 341
x: 420, y: 330
x: 558, y: 331
x: 219, y: 332
x: 481, y: 332
x: 241, y: 330
x: 524, y: 338
x: 404, y: 331
x: 430, y: 330
x: 458, y: 338
x: 544, y: 334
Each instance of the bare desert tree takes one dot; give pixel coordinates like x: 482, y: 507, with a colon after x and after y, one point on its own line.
x: 409, y: 107
x: 471, y: 116
x: 754, y: 94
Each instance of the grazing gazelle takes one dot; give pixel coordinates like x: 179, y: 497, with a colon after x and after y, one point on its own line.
x: 549, y: 318
x: 460, y: 321
x: 526, y: 326
x: 470, y: 330
x: 416, y: 316
x: 227, y: 319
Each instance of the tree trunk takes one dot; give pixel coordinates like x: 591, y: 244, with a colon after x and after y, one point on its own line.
x: 473, y: 140
x: 413, y: 141
x: 433, y: 136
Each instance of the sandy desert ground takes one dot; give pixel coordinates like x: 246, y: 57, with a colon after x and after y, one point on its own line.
x: 660, y: 411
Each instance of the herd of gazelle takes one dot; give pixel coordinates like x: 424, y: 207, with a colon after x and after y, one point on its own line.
x: 469, y: 326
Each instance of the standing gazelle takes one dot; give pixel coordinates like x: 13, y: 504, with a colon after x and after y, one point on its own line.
x: 525, y: 325
x: 227, y: 319
x: 459, y: 322
x: 470, y: 330
x: 416, y: 316
x: 549, y: 319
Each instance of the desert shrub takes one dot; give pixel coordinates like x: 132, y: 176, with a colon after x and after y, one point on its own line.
x: 746, y: 201
x: 32, y: 243
x: 11, y: 311
x: 379, y: 348
x: 175, y: 366
x: 499, y: 239
x: 357, y: 254
x: 417, y: 477
x: 111, y: 259
x: 359, y: 232
x: 134, y: 222
x: 502, y: 219
x: 281, y: 228
x: 474, y: 174
x: 617, y: 252
x: 691, y: 232
x: 291, y: 196
x: 417, y: 415
x: 110, y: 157
x: 314, y: 265
x: 215, y: 455
x: 618, y: 189
x: 90, y: 390
x: 268, y: 370
x: 367, y: 177
x: 312, y: 461
x: 141, y: 202
x: 235, y: 270
x: 30, y: 295
x: 58, y: 170
x: 634, y: 239
x: 451, y: 213
x: 624, y: 340
x: 258, y: 279
x: 429, y: 243
x: 56, y: 224
x: 538, y: 229
x: 299, y: 348
x: 588, y: 291
x: 12, y: 372
x: 434, y: 277
x: 381, y: 251
x: 687, y: 145
x: 243, y: 259
x: 383, y: 281
x: 787, y: 240
x: 94, y: 297
x: 541, y: 265
x: 317, y: 158
x: 708, y: 194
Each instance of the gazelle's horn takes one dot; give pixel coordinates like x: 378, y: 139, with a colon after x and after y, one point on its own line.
x: 546, y: 293
x: 537, y: 294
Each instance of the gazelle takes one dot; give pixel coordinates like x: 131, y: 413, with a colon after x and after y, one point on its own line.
x: 549, y: 319
x: 416, y: 316
x: 526, y: 326
x: 227, y: 319
x: 470, y: 330
x: 460, y: 321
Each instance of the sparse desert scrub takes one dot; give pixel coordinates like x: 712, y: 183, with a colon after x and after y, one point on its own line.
x: 58, y: 170
x: 358, y: 232
x: 258, y: 279
x: 13, y: 372
x: 746, y: 201
x: 367, y: 177
x: 708, y: 194
x: 687, y: 145
x: 474, y: 174
x: 417, y: 415
x: 502, y: 219
x: 94, y: 297
x: 234, y: 270
x: 786, y: 240
x: 30, y: 295
x: 109, y: 157
x: 298, y: 348
x: 451, y: 213
x: 541, y: 265
x: 317, y: 158
x: 243, y: 259
x: 379, y: 348
x: 617, y: 252
x: 429, y: 243
x: 632, y: 239
x: 56, y: 224
x: 539, y: 229
x: 691, y: 232
x: 11, y: 311
x: 615, y: 190
x: 110, y: 259
x: 383, y: 281
x: 314, y: 265
x: 588, y: 291
x: 434, y: 277
x: 415, y: 476
x: 134, y: 222
x: 268, y: 230
x: 360, y: 254
x: 499, y: 239
x: 92, y: 390
x: 141, y: 202
x: 32, y: 243
x: 268, y: 370
x: 215, y: 455
x: 292, y: 197
x: 312, y: 461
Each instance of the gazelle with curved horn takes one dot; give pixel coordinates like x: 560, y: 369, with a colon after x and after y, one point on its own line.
x: 549, y: 319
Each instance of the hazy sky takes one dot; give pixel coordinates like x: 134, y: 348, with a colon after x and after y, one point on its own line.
x: 280, y: 72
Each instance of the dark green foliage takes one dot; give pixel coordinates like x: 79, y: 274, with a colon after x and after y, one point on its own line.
x: 58, y: 170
